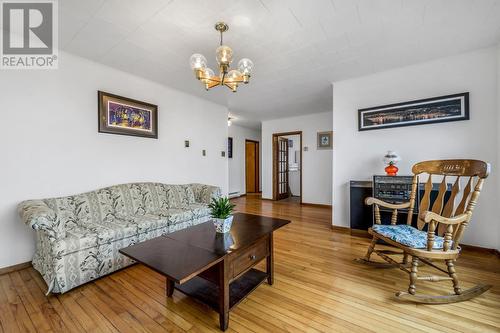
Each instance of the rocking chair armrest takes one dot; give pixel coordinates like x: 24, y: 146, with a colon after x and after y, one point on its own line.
x: 428, y: 216
x: 374, y: 201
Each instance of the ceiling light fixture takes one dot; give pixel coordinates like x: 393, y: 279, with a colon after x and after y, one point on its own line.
x: 224, y: 57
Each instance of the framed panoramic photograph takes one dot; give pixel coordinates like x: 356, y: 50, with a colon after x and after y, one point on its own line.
x: 424, y: 111
x: 325, y: 140
x: 125, y: 116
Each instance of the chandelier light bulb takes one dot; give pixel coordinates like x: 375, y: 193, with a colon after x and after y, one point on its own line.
x: 198, y: 62
x: 207, y: 74
x: 245, y: 66
x: 234, y: 74
x: 224, y: 55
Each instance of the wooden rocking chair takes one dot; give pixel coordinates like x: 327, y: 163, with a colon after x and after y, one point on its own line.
x: 445, y: 227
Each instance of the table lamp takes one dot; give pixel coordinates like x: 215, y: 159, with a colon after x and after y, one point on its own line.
x: 391, y: 158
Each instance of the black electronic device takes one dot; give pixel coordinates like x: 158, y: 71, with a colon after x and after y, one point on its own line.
x: 393, y: 189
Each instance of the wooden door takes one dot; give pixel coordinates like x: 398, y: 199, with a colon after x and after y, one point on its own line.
x: 252, y: 166
x: 282, y: 159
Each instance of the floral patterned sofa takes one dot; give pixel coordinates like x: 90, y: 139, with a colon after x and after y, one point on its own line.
x: 78, y: 236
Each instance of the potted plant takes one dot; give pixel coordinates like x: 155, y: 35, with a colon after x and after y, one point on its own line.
x: 221, y: 210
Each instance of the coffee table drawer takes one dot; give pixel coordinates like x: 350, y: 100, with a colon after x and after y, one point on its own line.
x: 242, y: 260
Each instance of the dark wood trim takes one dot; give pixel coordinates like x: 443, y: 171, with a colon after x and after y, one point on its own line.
x: 342, y: 230
x: 315, y: 205
x: 275, y: 160
x: 13, y: 268
x: 257, y: 165
x: 480, y: 249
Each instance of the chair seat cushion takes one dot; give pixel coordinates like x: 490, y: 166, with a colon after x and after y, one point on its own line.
x: 407, y: 235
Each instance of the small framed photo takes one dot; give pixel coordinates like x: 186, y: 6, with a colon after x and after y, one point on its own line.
x: 125, y: 116
x: 325, y: 140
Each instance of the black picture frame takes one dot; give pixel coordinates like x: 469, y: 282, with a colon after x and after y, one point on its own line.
x: 451, y: 107
x: 104, y: 112
x: 229, y: 147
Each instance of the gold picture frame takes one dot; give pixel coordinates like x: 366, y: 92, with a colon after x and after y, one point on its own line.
x: 325, y: 140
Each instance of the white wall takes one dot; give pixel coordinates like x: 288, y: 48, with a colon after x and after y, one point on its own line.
x: 237, y: 180
x: 357, y: 155
x: 50, y: 144
x: 316, y: 164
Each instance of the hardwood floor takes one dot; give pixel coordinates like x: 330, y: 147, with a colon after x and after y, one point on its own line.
x: 318, y: 288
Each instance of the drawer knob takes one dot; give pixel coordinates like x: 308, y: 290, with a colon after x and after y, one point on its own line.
x: 252, y: 257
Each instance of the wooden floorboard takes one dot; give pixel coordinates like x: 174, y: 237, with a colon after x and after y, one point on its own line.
x: 318, y: 288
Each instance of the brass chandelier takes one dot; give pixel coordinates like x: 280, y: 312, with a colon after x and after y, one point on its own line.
x: 224, y: 56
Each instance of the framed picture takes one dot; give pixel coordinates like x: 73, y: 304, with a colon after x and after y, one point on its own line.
x: 325, y: 140
x: 419, y: 112
x: 229, y: 147
x: 125, y: 116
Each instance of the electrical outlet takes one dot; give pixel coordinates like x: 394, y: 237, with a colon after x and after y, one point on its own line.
x: 204, y: 152
x: 223, y: 153
x: 306, y: 148
x: 186, y: 143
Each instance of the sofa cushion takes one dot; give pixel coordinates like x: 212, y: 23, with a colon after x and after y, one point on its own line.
x: 110, y: 202
x: 112, y: 230
x: 407, y: 235
x: 142, y: 198
x: 198, y: 210
x: 174, y: 196
x: 176, y: 215
x: 149, y: 222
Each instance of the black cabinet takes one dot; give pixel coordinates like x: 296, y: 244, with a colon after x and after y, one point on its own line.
x: 361, y: 215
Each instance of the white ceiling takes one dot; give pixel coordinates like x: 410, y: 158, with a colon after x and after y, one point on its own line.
x: 298, y: 46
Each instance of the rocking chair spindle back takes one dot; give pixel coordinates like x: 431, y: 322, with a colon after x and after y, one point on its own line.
x: 445, y: 225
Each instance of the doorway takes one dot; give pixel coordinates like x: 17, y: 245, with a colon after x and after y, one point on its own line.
x: 287, y: 166
x: 252, y: 172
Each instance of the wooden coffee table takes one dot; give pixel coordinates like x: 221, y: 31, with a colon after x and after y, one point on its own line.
x: 216, y: 269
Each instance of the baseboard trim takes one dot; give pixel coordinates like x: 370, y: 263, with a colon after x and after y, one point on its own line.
x: 364, y: 233
x: 315, y: 205
x: 13, y: 268
x: 480, y: 249
x: 340, y: 229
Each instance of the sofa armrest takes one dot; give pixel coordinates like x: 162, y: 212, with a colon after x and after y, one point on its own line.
x: 37, y: 215
x: 204, y: 193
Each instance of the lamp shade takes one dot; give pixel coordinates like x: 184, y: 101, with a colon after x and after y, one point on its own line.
x: 198, y: 62
x: 245, y: 66
x: 391, y: 157
x: 224, y: 55
x: 207, y: 73
x: 233, y: 74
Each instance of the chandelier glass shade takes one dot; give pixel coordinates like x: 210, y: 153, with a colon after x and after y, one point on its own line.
x: 230, y: 78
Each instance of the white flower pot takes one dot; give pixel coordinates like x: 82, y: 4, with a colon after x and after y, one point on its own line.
x: 223, y: 225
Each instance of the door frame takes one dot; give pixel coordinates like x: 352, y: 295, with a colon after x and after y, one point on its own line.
x: 257, y: 165
x: 275, y: 161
